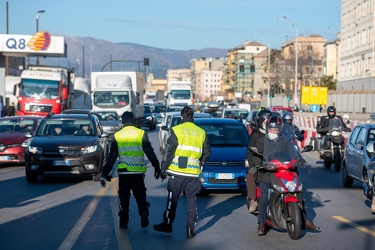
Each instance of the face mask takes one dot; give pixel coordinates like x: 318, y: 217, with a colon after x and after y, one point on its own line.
x: 272, y: 136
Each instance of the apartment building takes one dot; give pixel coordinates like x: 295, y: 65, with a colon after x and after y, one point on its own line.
x: 245, y: 68
x: 200, y: 65
x: 210, y: 85
x: 357, y: 45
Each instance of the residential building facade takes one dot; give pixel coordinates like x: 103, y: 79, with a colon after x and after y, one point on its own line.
x: 357, y: 45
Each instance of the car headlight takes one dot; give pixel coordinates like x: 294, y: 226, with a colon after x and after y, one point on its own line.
x: 90, y: 149
x: 149, y: 117
x: 35, y: 150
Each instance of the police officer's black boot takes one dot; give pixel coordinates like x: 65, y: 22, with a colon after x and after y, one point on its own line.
x: 144, y: 219
x: 163, y: 227
x: 124, y: 218
x: 190, y: 231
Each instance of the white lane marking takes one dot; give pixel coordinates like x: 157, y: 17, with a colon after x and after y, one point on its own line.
x: 83, y: 220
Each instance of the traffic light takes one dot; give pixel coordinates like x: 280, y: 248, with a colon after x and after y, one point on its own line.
x: 242, y: 68
x: 252, y: 68
x: 288, y: 97
x: 146, y: 61
x: 272, y: 94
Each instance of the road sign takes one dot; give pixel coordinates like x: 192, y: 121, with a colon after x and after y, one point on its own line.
x: 314, y: 108
x: 314, y: 95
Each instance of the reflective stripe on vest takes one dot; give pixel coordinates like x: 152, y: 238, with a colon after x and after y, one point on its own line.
x: 190, y: 144
x: 131, y: 156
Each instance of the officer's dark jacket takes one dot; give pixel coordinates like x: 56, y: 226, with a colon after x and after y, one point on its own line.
x: 113, y: 153
x: 172, y: 144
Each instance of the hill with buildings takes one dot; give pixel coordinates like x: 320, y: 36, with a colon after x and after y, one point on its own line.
x: 88, y: 54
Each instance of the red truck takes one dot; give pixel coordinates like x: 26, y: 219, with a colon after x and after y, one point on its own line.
x: 44, y: 89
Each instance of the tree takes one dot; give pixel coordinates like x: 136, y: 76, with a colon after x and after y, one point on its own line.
x: 327, y: 81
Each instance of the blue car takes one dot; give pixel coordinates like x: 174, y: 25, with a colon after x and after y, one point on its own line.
x: 226, y: 167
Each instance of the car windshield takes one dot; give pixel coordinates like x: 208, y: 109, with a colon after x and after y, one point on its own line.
x: 66, y: 127
x: 236, y: 113
x: 106, y: 116
x: 159, y: 109
x: 16, y: 125
x: 226, y: 135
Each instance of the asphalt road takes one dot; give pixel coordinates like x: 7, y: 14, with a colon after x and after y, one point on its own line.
x: 76, y: 213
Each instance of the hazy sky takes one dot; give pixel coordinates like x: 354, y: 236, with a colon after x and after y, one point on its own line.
x: 176, y: 24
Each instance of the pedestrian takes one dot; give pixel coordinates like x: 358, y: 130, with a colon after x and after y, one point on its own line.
x: 11, y: 110
x: 188, y: 149
x: 129, y: 145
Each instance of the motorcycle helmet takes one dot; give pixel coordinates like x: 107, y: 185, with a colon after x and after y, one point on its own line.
x: 287, y: 118
x: 262, y: 116
x: 274, y: 122
x: 331, y: 109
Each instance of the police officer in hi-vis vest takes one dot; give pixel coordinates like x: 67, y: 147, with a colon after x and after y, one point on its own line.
x: 188, y: 149
x: 129, y: 145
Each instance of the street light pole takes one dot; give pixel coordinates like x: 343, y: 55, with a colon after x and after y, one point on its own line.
x: 296, y: 58
x: 37, y: 29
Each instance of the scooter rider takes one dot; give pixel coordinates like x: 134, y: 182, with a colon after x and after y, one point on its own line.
x: 275, y: 143
x: 255, y: 160
x: 288, y: 119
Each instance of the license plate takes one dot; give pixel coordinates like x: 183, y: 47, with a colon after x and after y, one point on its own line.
x: 225, y: 176
x: 5, y: 158
x: 61, y: 163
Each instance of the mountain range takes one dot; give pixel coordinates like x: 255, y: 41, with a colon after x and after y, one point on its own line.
x: 88, y: 54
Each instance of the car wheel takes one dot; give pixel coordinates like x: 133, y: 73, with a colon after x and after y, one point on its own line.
x: 31, y: 177
x: 347, y: 181
x: 366, y: 182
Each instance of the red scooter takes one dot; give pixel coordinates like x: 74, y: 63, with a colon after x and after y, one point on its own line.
x: 284, y: 210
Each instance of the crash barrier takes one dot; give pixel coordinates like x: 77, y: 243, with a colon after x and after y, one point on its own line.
x: 308, y: 124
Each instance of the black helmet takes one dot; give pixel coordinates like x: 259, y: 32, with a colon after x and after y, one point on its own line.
x: 262, y: 116
x: 274, y: 122
x: 331, y: 109
x: 287, y: 117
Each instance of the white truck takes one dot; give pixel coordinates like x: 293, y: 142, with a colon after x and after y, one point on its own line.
x: 120, y: 91
x: 179, y: 93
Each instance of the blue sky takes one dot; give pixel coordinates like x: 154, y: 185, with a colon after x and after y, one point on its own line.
x: 176, y: 24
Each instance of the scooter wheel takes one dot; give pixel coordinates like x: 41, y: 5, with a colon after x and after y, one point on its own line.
x: 294, y: 224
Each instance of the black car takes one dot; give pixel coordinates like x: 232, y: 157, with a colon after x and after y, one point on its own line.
x: 67, y: 144
x: 148, y: 119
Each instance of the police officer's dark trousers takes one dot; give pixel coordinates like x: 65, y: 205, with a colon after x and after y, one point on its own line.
x: 136, y: 184
x: 176, y: 186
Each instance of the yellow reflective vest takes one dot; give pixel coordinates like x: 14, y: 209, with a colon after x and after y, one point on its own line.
x: 190, y: 144
x: 131, y: 156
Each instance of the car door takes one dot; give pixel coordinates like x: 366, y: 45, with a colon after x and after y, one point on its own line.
x: 349, y: 149
x: 358, y: 157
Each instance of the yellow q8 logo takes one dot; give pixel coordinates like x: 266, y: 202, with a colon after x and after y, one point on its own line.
x: 40, y: 41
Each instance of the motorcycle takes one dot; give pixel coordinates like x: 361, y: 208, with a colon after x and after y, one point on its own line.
x: 332, y: 144
x: 285, y: 205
